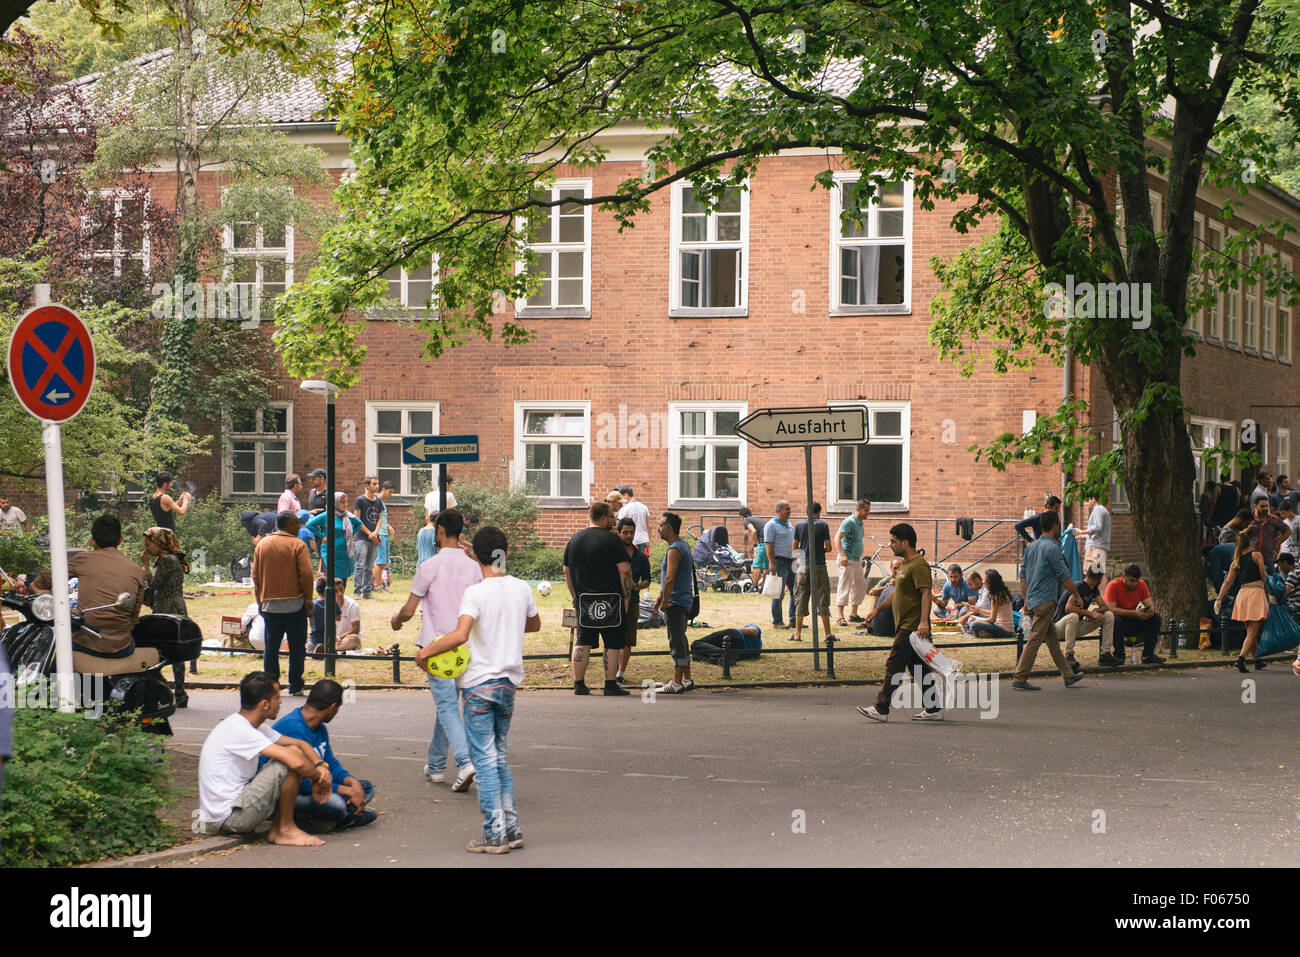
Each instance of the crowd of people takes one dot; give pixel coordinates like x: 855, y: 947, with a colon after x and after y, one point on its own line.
x: 254, y: 767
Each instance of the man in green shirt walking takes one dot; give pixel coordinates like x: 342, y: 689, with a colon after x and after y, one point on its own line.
x: 910, y: 602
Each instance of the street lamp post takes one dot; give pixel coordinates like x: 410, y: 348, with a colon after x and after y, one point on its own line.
x: 328, y: 390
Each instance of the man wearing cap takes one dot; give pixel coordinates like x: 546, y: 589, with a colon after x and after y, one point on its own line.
x: 382, y: 578
x: 316, y: 499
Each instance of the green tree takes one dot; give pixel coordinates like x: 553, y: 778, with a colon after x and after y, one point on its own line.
x: 198, y: 109
x: 87, y: 47
x: 1033, y: 112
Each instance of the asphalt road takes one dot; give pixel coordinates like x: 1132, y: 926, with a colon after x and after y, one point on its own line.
x: 1162, y: 769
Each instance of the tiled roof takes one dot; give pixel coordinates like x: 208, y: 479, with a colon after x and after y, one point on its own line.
x: 286, y: 98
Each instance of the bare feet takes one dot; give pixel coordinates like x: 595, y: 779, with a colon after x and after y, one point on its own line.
x: 293, y: 837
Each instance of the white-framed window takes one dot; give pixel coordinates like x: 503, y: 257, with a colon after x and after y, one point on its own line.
x: 710, y: 254
x: 411, y: 292
x: 1194, y: 277
x: 871, y: 260
x: 1157, y: 214
x: 706, y: 458
x: 1206, y: 433
x: 1118, y: 497
x: 1232, y: 303
x: 260, y: 259
x: 1250, y: 305
x: 258, y: 450
x: 1284, y: 315
x: 119, y: 231
x: 1283, y: 452
x: 1267, y: 323
x: 560, y: 237
x: 386, y: 423
x: 878, y: 470
x: 553, y: 448
x: 1214, y: 310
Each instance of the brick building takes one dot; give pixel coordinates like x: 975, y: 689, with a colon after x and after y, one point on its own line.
x: 651, y: 344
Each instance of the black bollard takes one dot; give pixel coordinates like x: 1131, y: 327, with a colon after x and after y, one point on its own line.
x: 830, y: 656
x: 726, y: 656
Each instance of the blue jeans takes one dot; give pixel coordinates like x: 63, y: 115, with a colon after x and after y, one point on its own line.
x: 364, y: 552
x: 448, y: 726
x: 488, y: 709
x: 335, y: 811
x: 981, y: 628
x: 278, y: 627
x: 785, y: 572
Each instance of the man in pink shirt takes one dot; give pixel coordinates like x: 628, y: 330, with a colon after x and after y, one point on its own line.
x: 437, y: 588
x: 289, y: 497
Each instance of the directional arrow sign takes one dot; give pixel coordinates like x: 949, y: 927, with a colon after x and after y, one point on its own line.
x: 828, y: 425
x: 51, y: 363
x: 432, y: 449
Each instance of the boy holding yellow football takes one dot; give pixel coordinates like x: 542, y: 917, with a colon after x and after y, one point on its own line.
x: 494, y: 616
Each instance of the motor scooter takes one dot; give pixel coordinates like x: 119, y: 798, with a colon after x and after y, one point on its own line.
x: 129, y: 679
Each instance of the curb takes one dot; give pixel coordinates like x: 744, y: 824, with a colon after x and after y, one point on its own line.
x: 1227, y: 661
x: 180, y: 852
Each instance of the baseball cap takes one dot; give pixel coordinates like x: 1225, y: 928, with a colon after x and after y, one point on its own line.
x: 389, y: 485
x: 316, y: 473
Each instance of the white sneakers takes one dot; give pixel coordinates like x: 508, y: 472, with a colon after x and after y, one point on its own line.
x: 462, y: 782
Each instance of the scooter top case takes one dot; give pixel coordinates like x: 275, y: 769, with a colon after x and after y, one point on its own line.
x: 176, y: 638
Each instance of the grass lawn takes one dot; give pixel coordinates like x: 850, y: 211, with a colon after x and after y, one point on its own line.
x: 718, y: 610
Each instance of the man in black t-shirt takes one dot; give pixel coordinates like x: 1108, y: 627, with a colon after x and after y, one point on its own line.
x: 640, y: 582
x: 368, y: 508
x: 316, y: 497
x: 812, y: 571
x: 1075, y: 617
x: 1226, y: 504
x: 596, y: 564
x: 753, y: 532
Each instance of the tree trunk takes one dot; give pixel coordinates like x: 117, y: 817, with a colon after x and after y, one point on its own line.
x: 176, y: 366
x: 1159, y: 475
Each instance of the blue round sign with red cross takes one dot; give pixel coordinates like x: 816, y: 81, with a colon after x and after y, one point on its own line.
x: 51, y: 363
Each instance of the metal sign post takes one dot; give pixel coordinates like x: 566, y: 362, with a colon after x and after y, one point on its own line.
x: 52, y: 371
x: 821, y: 426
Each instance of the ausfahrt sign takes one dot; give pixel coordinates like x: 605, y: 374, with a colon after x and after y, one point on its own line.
x: 827, y: 425
x: 51, y: 363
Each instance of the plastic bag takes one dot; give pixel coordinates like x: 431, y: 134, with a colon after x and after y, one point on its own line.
x: 772, y: 586
x: 1280, y: 632
x: 934, y: 657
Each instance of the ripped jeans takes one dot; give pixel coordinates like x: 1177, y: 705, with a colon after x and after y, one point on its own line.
x: 488, y: 708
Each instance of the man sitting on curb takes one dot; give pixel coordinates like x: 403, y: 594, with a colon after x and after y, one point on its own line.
x: 346, y: 805
x: 234, y: 796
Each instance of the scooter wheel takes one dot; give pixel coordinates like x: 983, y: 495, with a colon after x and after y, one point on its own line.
x: 733, y: 588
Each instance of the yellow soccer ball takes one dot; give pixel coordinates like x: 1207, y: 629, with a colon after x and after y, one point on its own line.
x: 449, y: 664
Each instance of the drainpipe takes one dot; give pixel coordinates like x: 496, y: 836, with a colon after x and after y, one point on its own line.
x: 1067, y: 387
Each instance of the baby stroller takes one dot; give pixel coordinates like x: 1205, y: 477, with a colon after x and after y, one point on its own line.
x: 718, y: 565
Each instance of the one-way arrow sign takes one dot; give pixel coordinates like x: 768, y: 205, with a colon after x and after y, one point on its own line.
x: 430, y: 449
x: 827, y: 425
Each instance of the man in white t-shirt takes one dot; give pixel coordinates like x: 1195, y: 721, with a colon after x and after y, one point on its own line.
x: 11, y: 516
x: 253, y: 625
x: 437, y: 589
x: 636, y: 511
x: 431, y: 501
x: 494, y: 616
x: 234, y: 796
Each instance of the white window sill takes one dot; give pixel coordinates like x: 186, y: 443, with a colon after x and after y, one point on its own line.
x: 557, y: 312
x: 398, y: 314
x: 565, y: 503
x: 724, y: 312
x: 877, y: 508
x: 696, y: 504
x: 901, y: 309
x: 1251, y: 351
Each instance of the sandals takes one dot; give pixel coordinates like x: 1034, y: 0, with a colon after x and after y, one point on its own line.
x: 843, y: 622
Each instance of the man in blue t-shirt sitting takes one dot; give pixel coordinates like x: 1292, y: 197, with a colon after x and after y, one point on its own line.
x: 346, y: 806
